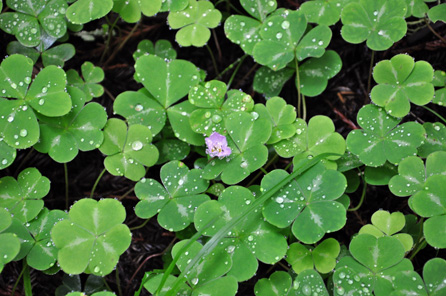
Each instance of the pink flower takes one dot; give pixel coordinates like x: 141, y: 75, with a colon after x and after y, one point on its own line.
x: 217, y: 146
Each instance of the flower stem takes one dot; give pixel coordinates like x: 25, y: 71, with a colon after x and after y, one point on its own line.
x: 364, y: 190
x: 140, y: 226
x: 369, y: 81
x: 236, y: 70
x: 96, y: 182
x: 299, y: 98
x: 214, y: 62
x: 65, y: 169
x: 435, y: 113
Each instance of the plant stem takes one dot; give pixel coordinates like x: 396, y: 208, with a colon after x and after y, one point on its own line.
x: 239, y: 60
x: 28, y: 155
x: 18, y: 280
x: 434, y: 32
x: 65, y: 169
x: 435, y: 113
x: 304, y: 108
x: 27, y: 279
x: 118, y: 282
x: 126, y: 193
x: 299, y: 99
x: 419, y: 248
x: 369, y: 81
x: 214, y: 62
x: 96, y: 182
x: 140, y: 226
x: 364, y: 189
x: 121, y: 45
x: 271, y: 161
x: 107, y: 43
x: 235, y: 71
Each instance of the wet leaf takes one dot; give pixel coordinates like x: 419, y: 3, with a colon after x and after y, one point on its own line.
x: 84, y: 11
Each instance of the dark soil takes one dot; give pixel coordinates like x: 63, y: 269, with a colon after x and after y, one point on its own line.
x: 345, y: 95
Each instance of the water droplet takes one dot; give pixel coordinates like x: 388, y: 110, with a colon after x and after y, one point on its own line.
x: 23, y: 133
x: 139, y: 107
x: 13, y: 85
x: 27, y: 80
x: 194, y: 281
x: 342, y: 275
x: 4, y: 161
x: 10, y: 118
x: 296, y: 285
x: 137, y: 145
x: 41, y: 102
x: 285, y: 25
x: 279, y: 35
x: 255, y: 115
x: 96, y: 269
x: 216, y: 118
x: 306, y: 290
x: 340, y: 291
x: 250, y: 238
x: 244, y: 165
x: 207, y: 114
x: 33, y: 31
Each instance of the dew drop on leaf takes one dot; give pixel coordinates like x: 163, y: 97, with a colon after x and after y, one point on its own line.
x: 139, y: 107
x: 41, y: 102
x: 285, y: 25
x: 137, y: 145
x: 23, y: 133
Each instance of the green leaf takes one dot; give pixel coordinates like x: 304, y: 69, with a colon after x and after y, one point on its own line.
x: 259, y: 9
x: 172, y: 149
x: 175, y: 200
x: 173, y: 5
x: 29, y: 28
x: 58, y: 55
x: 80, y: 129
x: 408, y: 283
x: 194, y: 22
x: 22, y: 198
x: 243, y: 31
x: 251, y: 239
x: 92, y: 238
x: 270, y: 82
x: 380, y: 22
x: 15, y: 76
x: 323, y: 257
x: 401, y: 81
x: 322, y: 12
x: 168, y: 81
x: 43, y: 254
x: 9, y: 248
x: 417, y: 8
x: 382, y: 139
x: 92, y: 76
x: 434, y: 277
x: 437, y: 13
x: 278, y: 284
x: 283, y: 116
x: 319, y: 137
x: 128, y: 150
x: 140, y: 108
x: 84, y: 11
x: 315, y: 72
x: 435, y: 139
x: 15, y: 47
x: 308, y: 201
x: 163, y: 49
x: 5, y: 219
x: 130, y: 10
x: 179, y: 116
x: 246, y: 137
x: 380, y: 175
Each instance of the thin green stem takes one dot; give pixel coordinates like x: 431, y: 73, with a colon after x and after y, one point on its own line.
x: 271, y: 161
x: 106, y: 284
x: 369, y: 81
x: 435, y: 113
x: 96, y: 182
x: 299, y: 98
x: 107, y: 43
x: 420, y: 246
x: 304, y: 108
x: 118, y: 282
x: 28, y: 155
x: 434, y: 32
x: 18, y: 280
x: 27, y: 280
x: 65, y: 169
x: 140, y: 226
x: 364, y: 190
x: 121, y: 45
x: 239, y: 60
x: 416, y: 22
x: 214, y: 62
x: 263, y: 171
x: 126, y: 193
x: 236, y: 70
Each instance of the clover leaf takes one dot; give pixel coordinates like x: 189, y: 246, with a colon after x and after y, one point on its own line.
x: 323, y: 12
x: 169, y: 81
x: 380, y: 22
x: 401, y: 81
x: 83, y: 11
x: 316, y: 138
x: 194, y: 23
x: 92, y: 238
x: 43, y: 253
x: 73, y: 283
x: 269, y: 82
x: 251, y: 240
x: 23, y: 197
x: 247, y: 134
x: 46, y: 95
x: 170, y: 148
x: 176, y: 200
x: 439, y: 80
x: 130, y: 10
x: 323, y: 257
x: 433, y: 276
x: 9, y: 248
x: 8, y: 154
x: 140, y: 108
x: 212, y: 267
x: 374, y: 262
x: 80, y: 129
x: 308, y: 282
x: 57, y: 55
x: 89, y: 83
x: 417, y: 8
x: 437, y: 13
x: 284, y: 38
x: 128, y: 149
x: 162, y: 48
x: 33, y: 22
x: 382, y: 138
x: 308, y: 202
x: 435, y: 139
x: 384, y: 223
x: 213, y: 108
x: 259, y: 9
x: 173, y: 5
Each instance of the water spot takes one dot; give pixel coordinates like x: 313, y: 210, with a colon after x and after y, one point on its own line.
x: 4, y: 161
x: 279, y: 35
x: 10, y: 118
x: 194, y: 281
x: 244, y: 165
x: 296, y: 285
x: 230, y: 249
x: 13, y: 85
x: 342, y: 275
x: 306, y: 290
x: 23, y: 133
x: 250, y: 238
x: 285, y: 25
x: 139, y: 107
x: 340, y: 291
x: 207, y: 114
x: 216, y: 118
x: 137, y: 145
x: 271, y: 3
x: 255, y: 115
x: 27, y: 80
x: 41, y: 102
x: 96, y: 269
